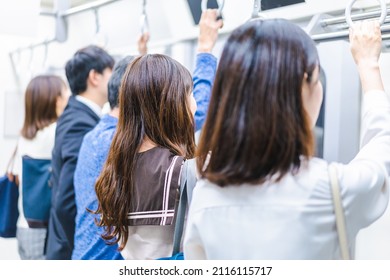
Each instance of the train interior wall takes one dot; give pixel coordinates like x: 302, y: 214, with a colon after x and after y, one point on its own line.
x: 174, y: 33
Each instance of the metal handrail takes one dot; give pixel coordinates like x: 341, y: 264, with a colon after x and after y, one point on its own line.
x: 86, y: 7
x: 32, y: 46
x: 342, y: 35
x: 318, y: 37
x: 341, y: 19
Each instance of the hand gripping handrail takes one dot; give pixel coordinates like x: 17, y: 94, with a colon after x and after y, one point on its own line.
x: 204, y: 6
x: 349, y: 8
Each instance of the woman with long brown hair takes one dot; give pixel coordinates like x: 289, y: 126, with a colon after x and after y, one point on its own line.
x: 263, y: 195
x: 45, y: 98
x: 138, y: 187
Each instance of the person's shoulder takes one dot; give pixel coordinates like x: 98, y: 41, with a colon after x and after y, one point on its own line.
x: 160, y: 154
x: 70, y: 123
x: 100, y: 137
x: 48, y: 130
x: 209, y: 195
x: 76, y: 111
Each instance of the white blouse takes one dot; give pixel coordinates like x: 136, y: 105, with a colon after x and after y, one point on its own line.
x: 148, y: 242
x: 294, y: 218
x: 41, y: 148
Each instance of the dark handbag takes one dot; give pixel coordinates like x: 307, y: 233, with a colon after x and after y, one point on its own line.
x: 187, y: 184
x: 36, y: 191
x: 9, y: 195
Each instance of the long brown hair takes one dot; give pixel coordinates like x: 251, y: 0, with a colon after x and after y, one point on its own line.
x: 40, y: 102
x: 153, y: 104
x: 257, y: 126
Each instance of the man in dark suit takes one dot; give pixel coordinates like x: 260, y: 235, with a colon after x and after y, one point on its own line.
x: 88, y: 72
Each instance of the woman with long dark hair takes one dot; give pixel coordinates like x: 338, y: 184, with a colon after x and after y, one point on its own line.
x: 262, y: 194
x: 138, y: 187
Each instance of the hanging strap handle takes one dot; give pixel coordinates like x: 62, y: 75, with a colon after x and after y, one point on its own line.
x: 144, y: 22
x: 256, y: 9
x: 339, y: 211
x: 220, y: 9
x: 382, y: 18
x: 187, y: 183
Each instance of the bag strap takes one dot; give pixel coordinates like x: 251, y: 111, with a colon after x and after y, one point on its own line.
x: 339, y: 211
x: 10, y: 165
x: 187, y: 183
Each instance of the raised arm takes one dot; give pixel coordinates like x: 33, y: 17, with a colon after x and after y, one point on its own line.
x: 364, y: 180
x: 206, y: 64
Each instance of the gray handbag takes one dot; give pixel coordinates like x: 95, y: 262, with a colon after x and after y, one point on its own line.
x: 187, y: 184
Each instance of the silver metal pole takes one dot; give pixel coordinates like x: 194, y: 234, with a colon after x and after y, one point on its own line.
x: 341, y: 35
x: 15, y: 71
x: 86, y: 7
x: 35, y: 45
x: 342, y: 19
x: 47, y: 12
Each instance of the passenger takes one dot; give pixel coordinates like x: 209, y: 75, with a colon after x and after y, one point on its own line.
x: 155, y: 134
x: 88, y: 243
x: 262, y: 195
x: 88, y: 73
x: 45, y: 100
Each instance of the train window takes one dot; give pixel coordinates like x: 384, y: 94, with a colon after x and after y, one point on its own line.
x: 196, y: 10
x: 272, y: 4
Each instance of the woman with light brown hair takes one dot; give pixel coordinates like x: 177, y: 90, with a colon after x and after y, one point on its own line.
x: 262, y: 193
x: 45, y: 99
x: 138, y: 187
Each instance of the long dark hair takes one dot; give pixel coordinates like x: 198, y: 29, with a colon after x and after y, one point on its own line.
x: 40, y: 103
x: 257, y: 126
x: 153, y: 103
